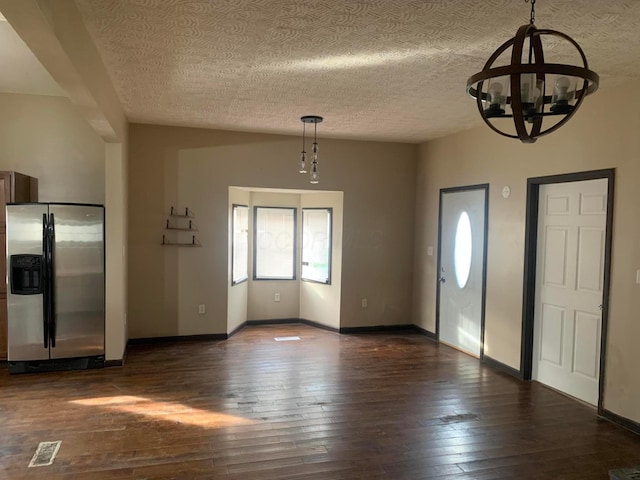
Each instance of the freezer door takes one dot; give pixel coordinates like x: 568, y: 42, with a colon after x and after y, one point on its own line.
x: 25, y: 312
x: 78, y: 266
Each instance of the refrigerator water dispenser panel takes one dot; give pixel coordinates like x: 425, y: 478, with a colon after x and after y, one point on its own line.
x: 26, y: 274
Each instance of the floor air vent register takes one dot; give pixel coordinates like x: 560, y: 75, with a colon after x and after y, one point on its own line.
x: 45, y: 454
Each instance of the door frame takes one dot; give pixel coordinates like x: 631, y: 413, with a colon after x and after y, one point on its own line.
x: 466, y: 188
x: 530, y: 263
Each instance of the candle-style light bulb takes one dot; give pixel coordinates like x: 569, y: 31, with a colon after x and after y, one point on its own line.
x: 496, y: 100
x: 495, y: 93
x: 531, y: 95
x: 528, y: 88
x: 561, y: 102
x: 562, y: 88
x: 315, y: 151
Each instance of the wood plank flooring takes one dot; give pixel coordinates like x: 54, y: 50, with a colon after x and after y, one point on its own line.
x: 327, y: 407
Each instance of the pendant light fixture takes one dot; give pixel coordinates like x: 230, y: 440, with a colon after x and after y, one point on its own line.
x: 315, y: 172
x: 537, y: 96
x: 302, y: 165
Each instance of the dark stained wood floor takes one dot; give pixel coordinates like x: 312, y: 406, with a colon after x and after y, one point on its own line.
x: 327, y: 407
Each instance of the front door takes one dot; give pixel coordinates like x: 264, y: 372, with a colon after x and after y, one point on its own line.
x: 569, y: 286
x: 461, y: 266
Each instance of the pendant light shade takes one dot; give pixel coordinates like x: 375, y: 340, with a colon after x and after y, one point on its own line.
x: 529, y: 97
x: 315, y: 171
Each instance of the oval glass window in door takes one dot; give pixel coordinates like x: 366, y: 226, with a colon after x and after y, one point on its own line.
x: 462, y: 250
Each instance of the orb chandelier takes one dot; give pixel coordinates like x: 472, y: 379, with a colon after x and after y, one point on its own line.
x: 314, y: 177
x: 529, y: 97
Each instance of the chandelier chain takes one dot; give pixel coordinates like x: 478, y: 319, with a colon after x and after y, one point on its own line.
x: 532, y: 19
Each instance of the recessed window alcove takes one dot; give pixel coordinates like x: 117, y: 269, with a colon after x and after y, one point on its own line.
x: 315, y: 300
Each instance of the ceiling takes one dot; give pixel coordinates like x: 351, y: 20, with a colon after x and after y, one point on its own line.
x: 392, y: 70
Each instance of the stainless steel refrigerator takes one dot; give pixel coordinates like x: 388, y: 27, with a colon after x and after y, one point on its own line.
x: 56, y: 288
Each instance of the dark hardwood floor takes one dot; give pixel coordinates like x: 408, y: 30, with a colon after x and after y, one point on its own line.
x: 373, y: 406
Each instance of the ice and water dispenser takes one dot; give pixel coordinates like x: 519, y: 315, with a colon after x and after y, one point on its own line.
x: 26, y: 274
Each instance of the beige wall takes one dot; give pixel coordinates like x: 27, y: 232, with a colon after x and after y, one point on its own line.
x: 318, y: 302
x: 194, y: 168
x: 45, y: 137
x: 603, y: 134
x: 116, y: 251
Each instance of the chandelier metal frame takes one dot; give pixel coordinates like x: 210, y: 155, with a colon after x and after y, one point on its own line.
x: 532, y: 114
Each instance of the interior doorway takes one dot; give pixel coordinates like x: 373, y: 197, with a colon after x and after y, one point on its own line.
x: 462, y: 243
x: 567, y: 264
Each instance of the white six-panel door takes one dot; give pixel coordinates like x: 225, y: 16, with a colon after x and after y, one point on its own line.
x: 569, y: 286
x: 462, y: 239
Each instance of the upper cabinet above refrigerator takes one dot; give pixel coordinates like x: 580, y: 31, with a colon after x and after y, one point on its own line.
x: 14, y: 187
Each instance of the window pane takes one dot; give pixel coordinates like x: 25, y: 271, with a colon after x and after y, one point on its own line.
x: 462, y: 250
x: 240, y: 245
x: 274, y: 243
x: 316, y: 244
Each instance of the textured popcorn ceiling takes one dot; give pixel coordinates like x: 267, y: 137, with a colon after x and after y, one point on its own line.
x: 375, y: 69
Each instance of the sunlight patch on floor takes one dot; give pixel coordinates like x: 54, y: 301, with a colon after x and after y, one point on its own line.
x: 167, y: 411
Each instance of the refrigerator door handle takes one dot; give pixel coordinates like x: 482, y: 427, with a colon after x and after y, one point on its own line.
x: 45, y: 306
x: 51, y: 283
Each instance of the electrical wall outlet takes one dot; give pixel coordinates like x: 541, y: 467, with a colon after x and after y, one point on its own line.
x: 201, y: 309
x: 276, y: 297
x: 365, y: 303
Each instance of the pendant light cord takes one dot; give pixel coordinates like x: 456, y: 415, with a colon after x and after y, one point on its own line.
x: 304, y: 129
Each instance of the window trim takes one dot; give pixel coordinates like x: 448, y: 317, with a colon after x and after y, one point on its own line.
x: 233, y: 243
x: 255, y: 243
x: 329, y: 210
